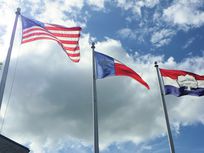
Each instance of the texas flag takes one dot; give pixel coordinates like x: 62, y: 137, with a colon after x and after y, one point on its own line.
x: 108, y: 66
x: 180, y: 83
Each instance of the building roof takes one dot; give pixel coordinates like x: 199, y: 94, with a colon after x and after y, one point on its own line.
x: 9, y: 146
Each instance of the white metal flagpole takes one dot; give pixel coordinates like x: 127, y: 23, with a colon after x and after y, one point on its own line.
x: 170, y: 138
x: 95, y: 109
x: 6, y: 66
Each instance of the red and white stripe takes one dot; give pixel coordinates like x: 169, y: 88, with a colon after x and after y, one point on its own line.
x: 123, y: 70
x: 68, y: 38
x: 170, y: 77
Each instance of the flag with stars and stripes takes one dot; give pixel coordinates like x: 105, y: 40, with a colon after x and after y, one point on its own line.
x: 67, y: 38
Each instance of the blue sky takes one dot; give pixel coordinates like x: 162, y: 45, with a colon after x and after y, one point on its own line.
x: 50, y: 107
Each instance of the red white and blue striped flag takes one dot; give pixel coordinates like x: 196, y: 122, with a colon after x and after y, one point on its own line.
x: 180, y: 83
x: 67, y: 38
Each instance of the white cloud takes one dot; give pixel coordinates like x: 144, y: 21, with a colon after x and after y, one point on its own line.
x: 125, y: 4
x: 127, y: 33
x: 59, y: 12
x: 162, y: 37
x: 185, y: 13
x: 99, y: 4
x: 144, y: 3
x: 180, y: 14
x: 57, y: 6
x: 138, y: 34
x: 136, y: 5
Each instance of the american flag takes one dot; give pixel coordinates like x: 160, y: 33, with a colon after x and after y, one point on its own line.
x: 67, y: 38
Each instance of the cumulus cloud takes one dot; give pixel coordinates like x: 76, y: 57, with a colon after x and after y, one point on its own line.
x: 138, y: 34
x: 125, y: 4
x: 171, y: 17
x: 140, y: 4
x: 127, y: 33
x: 98, y: 4
x: 60, y: 12
x: 185, y: 13
x: 136, y: 5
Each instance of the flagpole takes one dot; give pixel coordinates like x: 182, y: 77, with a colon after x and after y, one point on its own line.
x: 6, y: 66
x: 95, y: 109
x: 170, y: 138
